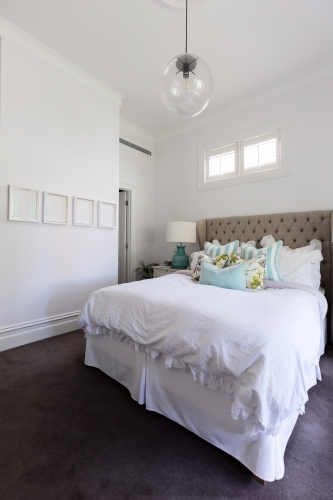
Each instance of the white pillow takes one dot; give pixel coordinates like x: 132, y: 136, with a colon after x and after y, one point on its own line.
x: 299, y: 265
x: 267, y: 241
x: 194, y: 260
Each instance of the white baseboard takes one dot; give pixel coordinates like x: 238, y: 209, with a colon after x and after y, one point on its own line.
x: 25, y: 333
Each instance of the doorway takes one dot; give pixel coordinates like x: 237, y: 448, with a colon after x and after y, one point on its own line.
x: 124, y: 236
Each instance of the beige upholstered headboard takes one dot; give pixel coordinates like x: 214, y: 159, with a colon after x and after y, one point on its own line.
x: 295, y: 229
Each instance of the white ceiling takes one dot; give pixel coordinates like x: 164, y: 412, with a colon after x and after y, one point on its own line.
x: 248, y: 44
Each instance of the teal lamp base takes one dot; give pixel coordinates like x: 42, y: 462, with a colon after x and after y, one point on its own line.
x: 180, y: 259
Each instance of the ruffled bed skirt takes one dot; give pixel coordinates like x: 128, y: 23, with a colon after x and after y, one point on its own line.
x: 206, y: 413
x: 229, y: 386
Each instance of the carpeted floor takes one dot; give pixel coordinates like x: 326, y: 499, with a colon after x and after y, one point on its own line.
x: 68, y: 431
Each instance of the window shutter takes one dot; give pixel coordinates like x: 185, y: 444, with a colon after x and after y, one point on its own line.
x: 221, y: 163
x: 261, y: 153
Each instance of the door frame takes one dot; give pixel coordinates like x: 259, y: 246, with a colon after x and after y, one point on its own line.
x: 131, y: 251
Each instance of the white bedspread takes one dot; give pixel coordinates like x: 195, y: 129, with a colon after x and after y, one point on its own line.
x: 256, y: 345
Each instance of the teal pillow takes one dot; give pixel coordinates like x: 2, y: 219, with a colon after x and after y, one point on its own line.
x: 229, y: 277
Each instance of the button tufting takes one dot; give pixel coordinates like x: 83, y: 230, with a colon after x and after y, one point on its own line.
x: 315, y: 229
x: 301, y: 230
x: 308, y: 241
x: 264, y: 230
x: 308, y: 219
x: 243, y: 232
x: 322, y: 218
x: 288, y: 230
x: 295, y: 220
x: 253, y: 231
x: 281, y: 220
x: 276, y: 230
x: 294, y: 241
x: 233, y: 231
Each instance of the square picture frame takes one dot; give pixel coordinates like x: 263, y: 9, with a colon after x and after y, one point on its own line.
x: 107, y: 213
x: 23, y: 204
x: 55, y: 208
x: 83, y: 211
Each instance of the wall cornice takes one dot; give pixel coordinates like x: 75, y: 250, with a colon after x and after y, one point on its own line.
x: 136, y: 130
x: 34, y: 47
x: 312, y: 75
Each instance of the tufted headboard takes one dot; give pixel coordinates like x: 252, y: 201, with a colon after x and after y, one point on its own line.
x: 295, y: 229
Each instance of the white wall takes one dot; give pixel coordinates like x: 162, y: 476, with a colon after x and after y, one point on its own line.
x: 59, y: 136
x: 309, y: 187
x: 137, y: 174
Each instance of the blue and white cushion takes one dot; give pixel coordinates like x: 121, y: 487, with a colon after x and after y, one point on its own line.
x: 216, y: 250
x: 272, y: 271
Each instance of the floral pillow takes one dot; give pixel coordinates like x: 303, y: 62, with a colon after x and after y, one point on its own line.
x: 220, y: 262
x: 254, y: 272
x: 272, y: 271
x: 235, y: 259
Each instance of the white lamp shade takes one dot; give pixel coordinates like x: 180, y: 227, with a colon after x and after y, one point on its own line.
x: 179, y: 232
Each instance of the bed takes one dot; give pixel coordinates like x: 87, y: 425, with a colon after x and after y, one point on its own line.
x: 201, y: 400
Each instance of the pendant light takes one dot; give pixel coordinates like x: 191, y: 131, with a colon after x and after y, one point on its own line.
x: 187, y: 83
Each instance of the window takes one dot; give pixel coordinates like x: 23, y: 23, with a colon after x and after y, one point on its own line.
x: 221, y: 162
x: 252, y: 154
x: 260, y: 153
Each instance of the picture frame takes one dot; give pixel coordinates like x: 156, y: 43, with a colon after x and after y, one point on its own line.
x: 55, y: 208
x: 23, y: 204
x: 83, y: 211
x: 107, y: 214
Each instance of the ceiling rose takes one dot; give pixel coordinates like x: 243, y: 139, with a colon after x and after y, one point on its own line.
x: 181, y: 4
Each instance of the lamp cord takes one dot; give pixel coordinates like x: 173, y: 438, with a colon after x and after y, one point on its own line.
x: 186, y: 29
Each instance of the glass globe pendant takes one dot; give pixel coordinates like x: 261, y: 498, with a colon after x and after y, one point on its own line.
x: 187, y: 84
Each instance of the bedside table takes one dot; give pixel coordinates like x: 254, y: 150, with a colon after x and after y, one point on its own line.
x: 163, y: 271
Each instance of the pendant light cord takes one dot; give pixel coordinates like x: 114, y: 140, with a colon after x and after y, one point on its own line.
x: 186, y: 29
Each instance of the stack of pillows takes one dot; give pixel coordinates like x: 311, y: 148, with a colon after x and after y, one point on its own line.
x: 240, y: 266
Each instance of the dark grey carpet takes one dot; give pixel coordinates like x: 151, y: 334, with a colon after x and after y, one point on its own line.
x: 68, y: 431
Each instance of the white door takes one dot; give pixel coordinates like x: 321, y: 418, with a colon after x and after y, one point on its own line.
x: 123, y: 244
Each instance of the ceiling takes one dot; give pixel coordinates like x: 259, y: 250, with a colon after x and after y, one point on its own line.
x: 248, y: 44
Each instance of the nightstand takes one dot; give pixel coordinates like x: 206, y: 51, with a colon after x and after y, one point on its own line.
x: 163, y: 271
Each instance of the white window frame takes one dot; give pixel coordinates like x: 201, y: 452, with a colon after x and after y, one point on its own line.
x: 228, y: 148
x: 282, y: 126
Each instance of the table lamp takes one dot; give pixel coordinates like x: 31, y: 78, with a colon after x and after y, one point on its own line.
x: 179, y: 232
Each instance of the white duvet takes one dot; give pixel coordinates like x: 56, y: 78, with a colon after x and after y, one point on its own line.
x: 258, y: 346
